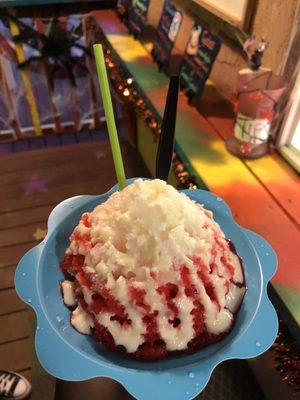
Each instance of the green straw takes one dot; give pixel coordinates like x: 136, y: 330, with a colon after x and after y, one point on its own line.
x: 109, y: 114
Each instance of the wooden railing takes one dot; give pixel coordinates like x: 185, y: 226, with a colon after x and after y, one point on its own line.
x: 46, y: 90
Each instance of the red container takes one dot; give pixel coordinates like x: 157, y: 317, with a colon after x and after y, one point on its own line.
x: 258, y: 93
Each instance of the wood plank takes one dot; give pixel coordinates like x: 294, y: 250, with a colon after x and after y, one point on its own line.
x: 93, y: 157
x: 43, y: 386
x: 91, y: 185
x: 23, y: 161
x: 12, y: 255
x: 10, y: 302
x: 94, y: 186
x: 27, y: 372
x: 271, y: 170
x: 41, y: 155
x: 28, y: 160
x: 7, y: 276
x: 8, y: 324
x: 51, y: 178
x: 16, y: 355
x: 280, y: 180
x: 54, y: 166
x: 20, y: 235
x: 23, y: 217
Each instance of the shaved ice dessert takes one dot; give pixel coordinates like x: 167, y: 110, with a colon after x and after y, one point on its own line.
x: 151, y: 273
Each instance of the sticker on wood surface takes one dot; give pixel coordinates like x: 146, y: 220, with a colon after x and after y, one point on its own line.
x: 137, y: 16
x: 100, y: 154
x: 36, y: 184
x: 167, y: 32
x: 39, y: 234
x: 200, y: 54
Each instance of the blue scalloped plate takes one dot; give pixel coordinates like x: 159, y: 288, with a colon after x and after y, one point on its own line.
x: 68, y: 355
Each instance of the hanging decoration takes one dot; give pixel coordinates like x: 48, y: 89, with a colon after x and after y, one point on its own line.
x: 255, y: 56
x: 55, y: 47
x: 41, y: 96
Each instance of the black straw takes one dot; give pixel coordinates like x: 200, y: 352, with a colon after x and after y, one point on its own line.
x: 166, y: 140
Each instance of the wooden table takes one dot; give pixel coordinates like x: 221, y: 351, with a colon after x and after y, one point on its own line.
x: 263, y: 194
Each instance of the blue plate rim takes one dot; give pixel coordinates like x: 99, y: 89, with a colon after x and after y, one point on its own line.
x: 119, y: 373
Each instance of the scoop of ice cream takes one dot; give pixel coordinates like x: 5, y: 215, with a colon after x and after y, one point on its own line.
x: 153, y: 269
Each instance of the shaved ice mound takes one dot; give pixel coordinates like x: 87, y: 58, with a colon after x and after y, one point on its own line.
x: 149, y: 271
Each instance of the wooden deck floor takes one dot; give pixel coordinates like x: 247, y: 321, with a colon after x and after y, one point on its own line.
x: 31, y: 184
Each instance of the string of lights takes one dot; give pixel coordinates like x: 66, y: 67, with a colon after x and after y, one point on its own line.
x: 130, y: 93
